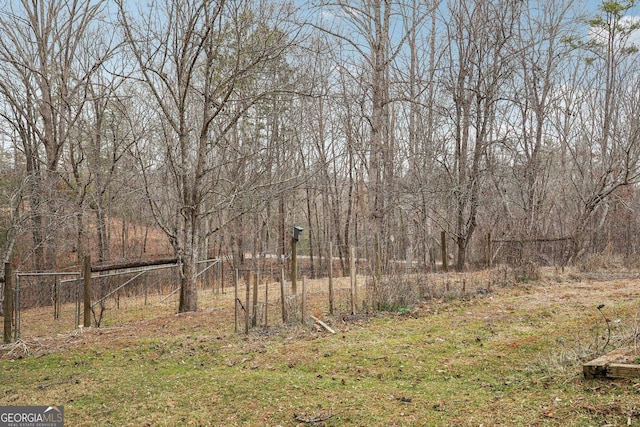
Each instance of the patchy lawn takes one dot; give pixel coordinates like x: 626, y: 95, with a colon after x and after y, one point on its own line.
x: 510, y: 357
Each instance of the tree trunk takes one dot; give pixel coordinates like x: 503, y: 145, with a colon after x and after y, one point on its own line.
x: 101, y: 231
x: 189, y: 262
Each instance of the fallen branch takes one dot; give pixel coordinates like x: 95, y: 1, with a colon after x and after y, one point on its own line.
x: 324, y: 325
x: 315, y: 419
x: 16, y: 349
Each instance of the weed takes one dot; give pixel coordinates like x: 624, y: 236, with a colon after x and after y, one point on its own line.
x: 608, y: 322
x: 527, y: 272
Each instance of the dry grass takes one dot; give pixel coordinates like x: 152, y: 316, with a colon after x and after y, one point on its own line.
x: 511, y: 356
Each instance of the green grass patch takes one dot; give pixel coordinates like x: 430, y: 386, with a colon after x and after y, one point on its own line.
x: 488, y: 361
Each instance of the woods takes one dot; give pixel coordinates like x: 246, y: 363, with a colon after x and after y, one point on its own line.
x: 216, y: 126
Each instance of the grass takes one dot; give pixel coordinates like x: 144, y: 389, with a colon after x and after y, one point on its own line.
x: 509, y: 358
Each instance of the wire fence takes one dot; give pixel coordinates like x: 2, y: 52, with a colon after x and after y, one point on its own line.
x: 46, y: 300
x: 52, y: 303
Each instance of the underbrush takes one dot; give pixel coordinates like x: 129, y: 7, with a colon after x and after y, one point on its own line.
x: 608, y: 261
x: 402, y: 292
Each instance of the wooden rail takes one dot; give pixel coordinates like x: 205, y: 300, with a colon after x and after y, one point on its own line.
x: 617, y: 364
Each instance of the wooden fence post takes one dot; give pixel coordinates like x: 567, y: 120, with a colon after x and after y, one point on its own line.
x: 235, y: 302
x: 221, y: 276
x: 294, y: 267
x: 266, y: 305
x: 283, y: 297
x: 216, y: 279
x: 7, y: 304
x: 87, y: 290
x: 303, y: 310
x: 57, y: 305
x: 254, y: 316
x: 352, y: 274
x: 330, y: 279
x: 246, y: 306
x: 489, y: 251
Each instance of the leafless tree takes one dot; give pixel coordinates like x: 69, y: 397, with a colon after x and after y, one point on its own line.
x: 481, y: 58
x: 45, y: 72
x: 205, y: 65
x: 606, y: 153
x: 373, y: 35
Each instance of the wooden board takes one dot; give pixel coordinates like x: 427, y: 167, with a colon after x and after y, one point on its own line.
x: 613, y: 365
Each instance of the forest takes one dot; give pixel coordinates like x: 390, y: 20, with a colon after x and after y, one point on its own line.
x: 202, y: 128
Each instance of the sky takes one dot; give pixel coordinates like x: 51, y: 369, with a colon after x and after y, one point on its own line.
x: 594, y: 4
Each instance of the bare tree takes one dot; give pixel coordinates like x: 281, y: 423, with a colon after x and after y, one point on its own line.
x: 44, y: 88
x: 104, y: 134
x: 607, y: 151
x: 526, y: 185
x: 419, y: 123
x: 203, y: 63
x: 15, y: 219
x: 373, y: 31
x: 481, y: 37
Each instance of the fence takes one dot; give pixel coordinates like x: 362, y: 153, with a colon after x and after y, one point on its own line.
x: 50, y: 298
x: 133, y: 294
x: 52, y: 303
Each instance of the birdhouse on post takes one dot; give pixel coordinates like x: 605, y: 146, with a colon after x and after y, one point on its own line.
x: 297, y: 231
